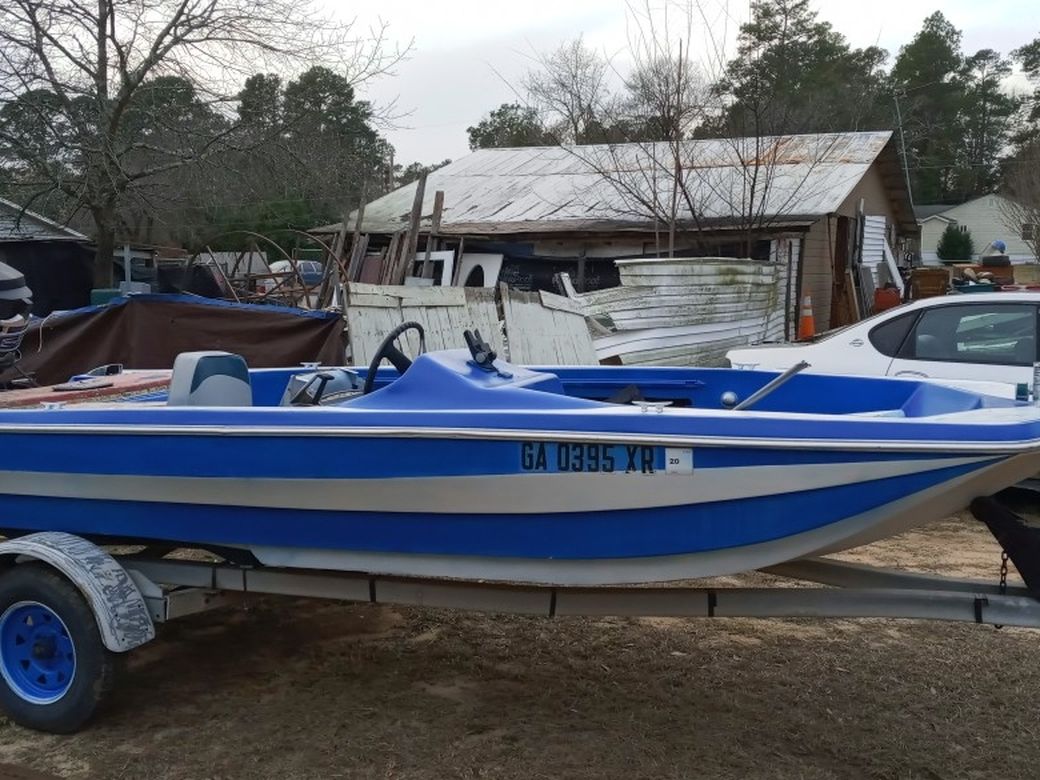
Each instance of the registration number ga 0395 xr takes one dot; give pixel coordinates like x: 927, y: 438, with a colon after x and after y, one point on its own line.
x: 539, y: 456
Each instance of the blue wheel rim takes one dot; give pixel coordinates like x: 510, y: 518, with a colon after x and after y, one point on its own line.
x: 37, y: 656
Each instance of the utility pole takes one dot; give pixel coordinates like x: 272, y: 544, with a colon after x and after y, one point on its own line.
x: 902, y: 146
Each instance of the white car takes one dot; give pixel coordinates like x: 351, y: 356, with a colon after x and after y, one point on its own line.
x: 954, y: 339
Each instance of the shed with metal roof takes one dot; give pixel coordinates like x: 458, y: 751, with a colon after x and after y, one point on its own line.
x: 56, y: 260
x: 733, y: 197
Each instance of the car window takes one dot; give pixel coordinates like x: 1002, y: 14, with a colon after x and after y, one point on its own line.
x: 833, y: 332
x: 1000, y: 333
x: 889, y: 336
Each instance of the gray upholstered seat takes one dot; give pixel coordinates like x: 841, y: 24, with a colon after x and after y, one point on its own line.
x: 210, y: 379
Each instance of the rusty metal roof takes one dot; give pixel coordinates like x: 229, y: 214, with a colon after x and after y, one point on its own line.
x: 608, y: 187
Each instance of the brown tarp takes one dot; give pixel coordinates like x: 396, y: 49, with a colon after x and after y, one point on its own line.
x: 149, y: 331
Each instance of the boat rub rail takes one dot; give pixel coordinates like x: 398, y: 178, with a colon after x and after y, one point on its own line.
x: 1008, y: 447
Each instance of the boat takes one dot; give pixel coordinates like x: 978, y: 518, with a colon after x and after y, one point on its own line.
x: 686, y: 311
x: 460, y: 465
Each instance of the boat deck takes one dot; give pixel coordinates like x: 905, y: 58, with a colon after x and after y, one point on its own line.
x: 127, y: 386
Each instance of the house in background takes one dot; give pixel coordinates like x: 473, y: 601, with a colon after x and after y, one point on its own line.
x: 57, y: 262
x: 519, y: 215
x: 984, y: 218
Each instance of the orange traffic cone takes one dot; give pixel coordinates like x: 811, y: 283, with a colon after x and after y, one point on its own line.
x: 806, y: 323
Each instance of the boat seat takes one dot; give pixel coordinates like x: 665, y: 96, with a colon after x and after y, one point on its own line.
x: 210, y: 379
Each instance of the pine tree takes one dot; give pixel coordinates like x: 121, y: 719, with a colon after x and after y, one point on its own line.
x: 955, y: 244
x: 927, y: 77
x: 795, y: 74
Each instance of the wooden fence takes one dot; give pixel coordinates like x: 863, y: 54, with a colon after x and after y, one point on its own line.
x: 525, y: 328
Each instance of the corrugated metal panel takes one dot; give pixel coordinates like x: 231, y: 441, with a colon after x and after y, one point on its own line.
x: 686, y: 311
x: 874, y: 244
x: 563, y: 188
x: 19, y: 225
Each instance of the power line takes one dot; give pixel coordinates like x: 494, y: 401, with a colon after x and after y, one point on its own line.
x: 998, y: 163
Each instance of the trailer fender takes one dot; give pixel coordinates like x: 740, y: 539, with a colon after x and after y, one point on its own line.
x: 117, y: 604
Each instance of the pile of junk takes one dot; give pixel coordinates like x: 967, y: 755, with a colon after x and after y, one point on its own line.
x: 128, y: 345
x: 993, y: 272
x: 15, y: 313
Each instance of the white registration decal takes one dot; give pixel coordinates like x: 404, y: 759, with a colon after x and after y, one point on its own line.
x: 678, y: 460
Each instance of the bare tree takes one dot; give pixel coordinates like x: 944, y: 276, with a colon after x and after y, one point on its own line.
x: 569, y: 86
x: 76, y: 115
x: 1020, y: 206
x: 667, y: 97
x: 739, y: 183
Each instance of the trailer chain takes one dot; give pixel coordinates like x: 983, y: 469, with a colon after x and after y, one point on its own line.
x: 1003, y: 579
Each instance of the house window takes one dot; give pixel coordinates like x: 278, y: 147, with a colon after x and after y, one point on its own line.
x: 1029, y: 231
x: 963, y: 228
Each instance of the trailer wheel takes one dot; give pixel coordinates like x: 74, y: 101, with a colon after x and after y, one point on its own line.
x: 54, y: 669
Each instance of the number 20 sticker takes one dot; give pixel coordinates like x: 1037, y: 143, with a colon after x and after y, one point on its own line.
x: 678, y: 460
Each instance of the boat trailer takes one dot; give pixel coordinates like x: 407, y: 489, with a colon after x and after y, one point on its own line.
x: 79, y: 607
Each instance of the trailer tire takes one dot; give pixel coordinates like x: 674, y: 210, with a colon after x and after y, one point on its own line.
x: 55, y: 671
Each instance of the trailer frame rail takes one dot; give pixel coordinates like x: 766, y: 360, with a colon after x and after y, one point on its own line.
x: 852, y: 591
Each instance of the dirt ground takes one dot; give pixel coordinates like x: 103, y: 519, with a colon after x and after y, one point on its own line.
x: 295, y: 689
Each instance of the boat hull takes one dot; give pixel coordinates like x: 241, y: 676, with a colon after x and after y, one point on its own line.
x: 508, y: 473
x: 505, y: 507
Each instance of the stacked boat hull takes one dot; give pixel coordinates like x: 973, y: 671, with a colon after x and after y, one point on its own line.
x: 686, y: 311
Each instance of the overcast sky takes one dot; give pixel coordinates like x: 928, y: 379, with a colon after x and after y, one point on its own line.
x: 467, y: 53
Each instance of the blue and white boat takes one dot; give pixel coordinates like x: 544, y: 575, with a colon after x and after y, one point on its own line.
x: 463, y: 466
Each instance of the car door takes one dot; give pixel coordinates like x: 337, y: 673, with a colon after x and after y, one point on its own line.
x: 984, y: 341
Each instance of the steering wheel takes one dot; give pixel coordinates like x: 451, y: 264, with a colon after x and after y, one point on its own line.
x: 389, y: 351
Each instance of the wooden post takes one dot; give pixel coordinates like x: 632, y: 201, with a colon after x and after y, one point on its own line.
x: 330, y: 286
x: 581, y: 270
x: 841, y: 305
x: 503, y: 313
x: 788, y: 290
x: 398, y: 244
x: 435, y: 227
x: 354, y: 267
x: 390, y: 261
x: 412, y: 239
x: 332, y: 262
x: 238, y: 262
x: 456, y: 272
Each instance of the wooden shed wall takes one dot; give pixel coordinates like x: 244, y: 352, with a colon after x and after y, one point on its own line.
x: 817, y: 273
